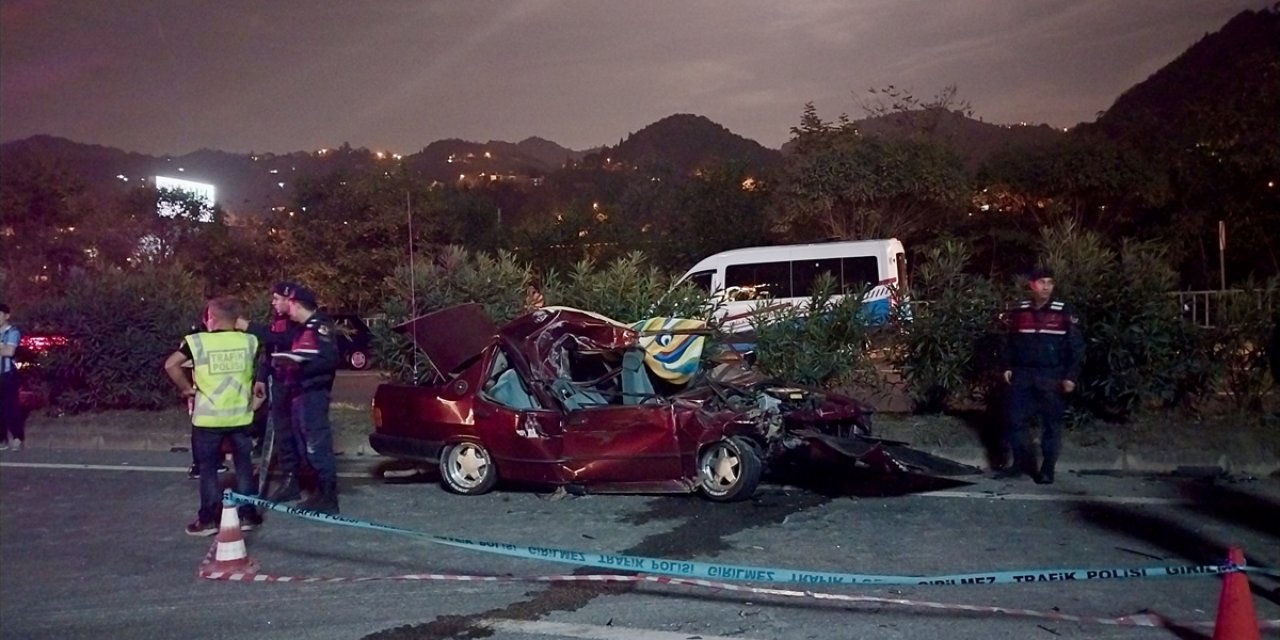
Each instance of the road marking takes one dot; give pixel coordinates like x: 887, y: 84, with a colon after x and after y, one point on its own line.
x: 595, y: 632
x: 1049, y: 497
x: 127, y: 467
x: 969, y: 495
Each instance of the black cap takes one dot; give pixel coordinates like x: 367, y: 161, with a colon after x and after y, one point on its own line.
x: 1040, y: 272
x: 302, y: 294
x: 4, y: 308
x: 284, y: 288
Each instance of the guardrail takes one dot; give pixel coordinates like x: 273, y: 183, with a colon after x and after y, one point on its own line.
x: 1205, y: 307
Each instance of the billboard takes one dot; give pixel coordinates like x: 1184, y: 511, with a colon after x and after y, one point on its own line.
x: 202, y: 192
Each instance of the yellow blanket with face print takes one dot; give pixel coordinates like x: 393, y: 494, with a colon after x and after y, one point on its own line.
x: 673, y: 346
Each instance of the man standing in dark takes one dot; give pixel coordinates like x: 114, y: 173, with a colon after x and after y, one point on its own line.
x: 12, y: 415
x: 312, y: 361
x: 290, y: 445
x: 1042, y: 354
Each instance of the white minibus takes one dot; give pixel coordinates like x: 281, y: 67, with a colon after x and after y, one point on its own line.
x: 746, y: 282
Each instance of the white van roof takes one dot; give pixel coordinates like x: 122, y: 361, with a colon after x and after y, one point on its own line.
x: 793, y: 251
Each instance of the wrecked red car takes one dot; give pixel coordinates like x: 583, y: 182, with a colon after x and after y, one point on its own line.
x: 567, y: 398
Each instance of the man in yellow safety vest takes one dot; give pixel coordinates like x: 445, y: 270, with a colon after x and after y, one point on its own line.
x: 226, y: 392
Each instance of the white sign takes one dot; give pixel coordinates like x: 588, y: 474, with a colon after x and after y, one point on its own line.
x: 202, y: 192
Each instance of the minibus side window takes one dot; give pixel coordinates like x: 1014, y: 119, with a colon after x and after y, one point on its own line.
x: 758, y: 280
x: 805, y: 272
x: 860, y: 273
x: 702, y: 280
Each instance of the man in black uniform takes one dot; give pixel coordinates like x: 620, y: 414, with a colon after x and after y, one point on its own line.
x: 1042, y: 353
x: 290, y: 443
x: 313, y: 361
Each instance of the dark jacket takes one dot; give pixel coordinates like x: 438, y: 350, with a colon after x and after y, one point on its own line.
x: 314, y: 353
x: 275, y: 338
x: 1043, y: 344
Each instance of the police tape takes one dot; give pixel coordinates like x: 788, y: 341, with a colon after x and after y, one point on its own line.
x: 739, y: 573
x: 1135, y: 620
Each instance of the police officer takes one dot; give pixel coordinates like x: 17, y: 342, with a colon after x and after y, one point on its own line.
x: 225, y: 396
x: 1042, y: 354
x: 313, y: 360
x: 290, y: 445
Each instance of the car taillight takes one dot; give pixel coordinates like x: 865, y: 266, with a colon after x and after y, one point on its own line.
x: 41, y: 344
x: 377, y: 418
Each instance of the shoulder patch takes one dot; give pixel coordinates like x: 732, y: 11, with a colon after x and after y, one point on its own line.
x: 323, y: 329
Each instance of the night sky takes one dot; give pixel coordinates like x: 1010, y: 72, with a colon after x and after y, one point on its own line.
x: 172, y: 76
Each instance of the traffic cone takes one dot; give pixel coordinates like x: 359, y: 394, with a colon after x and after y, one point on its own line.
x: 229, y: 554
x: 1237, y: 619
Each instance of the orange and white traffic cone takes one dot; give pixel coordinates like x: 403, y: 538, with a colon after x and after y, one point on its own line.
x: 1237, y: 619
x: 229, y: 554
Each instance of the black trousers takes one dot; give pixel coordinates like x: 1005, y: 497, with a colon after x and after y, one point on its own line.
x: 1041, y: 400
x: 13, y: 417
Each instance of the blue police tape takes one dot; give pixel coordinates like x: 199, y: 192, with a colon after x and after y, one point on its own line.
x: 691, y: 569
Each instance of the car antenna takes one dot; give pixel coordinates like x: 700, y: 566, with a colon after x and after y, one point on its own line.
x: 413, y: 282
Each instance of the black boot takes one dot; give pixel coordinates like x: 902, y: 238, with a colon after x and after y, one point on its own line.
x: 288, y: 492
x: 1046, y: 474
x: 324, y: 500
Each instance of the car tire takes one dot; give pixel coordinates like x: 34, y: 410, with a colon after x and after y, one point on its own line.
x: 467, y: 468
x: 729, y: 470
x: 359, y: 360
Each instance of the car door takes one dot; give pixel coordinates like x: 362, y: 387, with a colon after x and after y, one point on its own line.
x: 622, y: 443
x: 524, y: 437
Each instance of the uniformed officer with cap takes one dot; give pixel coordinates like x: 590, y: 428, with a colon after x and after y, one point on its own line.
x: 312, y: 360
x: 290, y: 443
x: 1042, y: 354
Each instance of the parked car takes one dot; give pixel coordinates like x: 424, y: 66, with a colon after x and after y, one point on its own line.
x: 33, y: 347
x: 567, y: 398
x: 353, y: 339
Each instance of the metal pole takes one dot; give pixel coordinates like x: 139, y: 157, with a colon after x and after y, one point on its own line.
x: 1222, y: 255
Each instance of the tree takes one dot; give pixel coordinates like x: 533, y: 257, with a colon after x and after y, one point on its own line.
x: 346, y: 231
x: 1102, y: 184
x: 42, y: 206
x: 839, y: 183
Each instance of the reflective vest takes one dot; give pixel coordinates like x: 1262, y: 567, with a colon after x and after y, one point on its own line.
x: 223, y: 376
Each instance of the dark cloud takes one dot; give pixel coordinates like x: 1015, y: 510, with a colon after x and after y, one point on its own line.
x: 160, y: 76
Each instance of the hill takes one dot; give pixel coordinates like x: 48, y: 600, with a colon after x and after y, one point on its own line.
x: 973, y: 140
x: 1227, y: 81
x: 685, y: 143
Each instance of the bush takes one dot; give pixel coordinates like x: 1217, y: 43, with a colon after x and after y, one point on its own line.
x: 121, y: 326
x: 1140, y: 349
x: 626, y: 289
x: 821, y: 344
x: 946, y: 347
x: 450, y: 277
x: 1239, y: 342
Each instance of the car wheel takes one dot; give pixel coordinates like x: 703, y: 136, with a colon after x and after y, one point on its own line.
x: 467, y: 468
x: 358, y: 360
x: 729, y: 470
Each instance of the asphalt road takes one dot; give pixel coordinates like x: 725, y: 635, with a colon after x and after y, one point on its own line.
x: 92, y: 546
